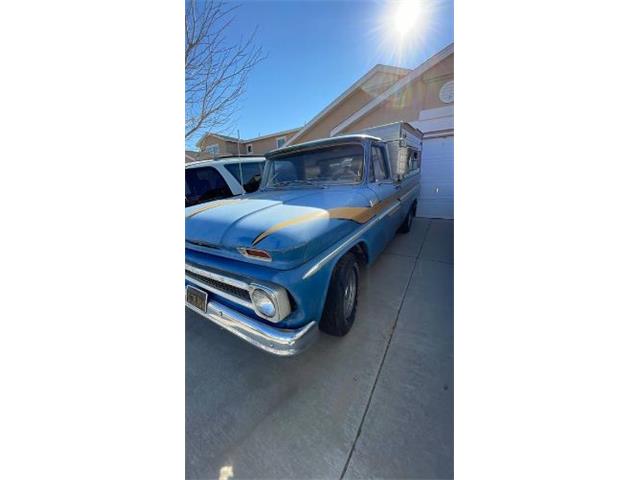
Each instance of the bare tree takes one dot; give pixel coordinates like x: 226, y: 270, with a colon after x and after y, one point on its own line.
x: 215, y: 71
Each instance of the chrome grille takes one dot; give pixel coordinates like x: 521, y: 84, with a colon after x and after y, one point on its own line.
x: 223, y: 287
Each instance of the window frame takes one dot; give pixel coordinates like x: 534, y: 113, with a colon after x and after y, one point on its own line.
x: 385, y: 162
x: 249, y: 147
x: 284, y: 138
x: 230, y: 167
x: 217, y: 145
x: 220, y: 176
x: 270, y: 165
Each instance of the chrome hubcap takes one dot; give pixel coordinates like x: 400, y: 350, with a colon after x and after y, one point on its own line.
x: 350, y: 292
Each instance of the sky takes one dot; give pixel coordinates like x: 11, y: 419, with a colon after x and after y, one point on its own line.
x: 315, y: 50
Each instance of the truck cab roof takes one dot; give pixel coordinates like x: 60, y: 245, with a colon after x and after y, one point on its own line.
x: 322, y: 142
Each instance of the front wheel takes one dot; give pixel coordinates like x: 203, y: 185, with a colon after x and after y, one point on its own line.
x: 342, y: 297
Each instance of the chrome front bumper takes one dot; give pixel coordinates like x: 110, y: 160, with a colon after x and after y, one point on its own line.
x: 278, y: 341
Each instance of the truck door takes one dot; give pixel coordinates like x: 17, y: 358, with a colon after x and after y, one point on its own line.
x: 385, y: 188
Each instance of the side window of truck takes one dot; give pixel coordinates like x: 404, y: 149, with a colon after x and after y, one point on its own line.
x: 380, y: 168
x: 250, y: 176
x: 413, y: 160
x: 204, y: 184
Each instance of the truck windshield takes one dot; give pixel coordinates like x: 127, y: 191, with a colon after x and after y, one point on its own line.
x: 341, y: 164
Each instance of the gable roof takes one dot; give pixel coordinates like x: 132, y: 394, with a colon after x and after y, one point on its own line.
x: 361, y: 81
x: 395, y: 88
x: 275, y: 134
x: 255, y: 139
x: 218, y: 135
x: 191, y: 156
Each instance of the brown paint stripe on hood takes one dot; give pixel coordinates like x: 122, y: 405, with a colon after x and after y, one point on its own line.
x: 356, y: 214
x: 307, y: 217
x: 216, y: 204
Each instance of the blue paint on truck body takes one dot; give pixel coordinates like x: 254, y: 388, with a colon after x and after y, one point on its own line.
x: 305, y: 229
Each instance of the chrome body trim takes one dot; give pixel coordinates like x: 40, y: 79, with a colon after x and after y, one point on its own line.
x: 394, y: 209
x: 226, y: 295
x: 277, y: 341
x: 402, y: 198
x: 347, y: 243
x: 234, y: 282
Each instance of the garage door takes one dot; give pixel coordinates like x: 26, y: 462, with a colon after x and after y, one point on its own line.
x: 436, y: 181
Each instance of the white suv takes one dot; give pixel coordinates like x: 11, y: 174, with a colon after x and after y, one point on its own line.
x: 225, y: 177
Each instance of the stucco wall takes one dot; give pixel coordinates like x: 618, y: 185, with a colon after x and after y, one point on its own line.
x: 226, y: 146
x: 264, y: 145
x: 421, y: 94
x: 230, y: 147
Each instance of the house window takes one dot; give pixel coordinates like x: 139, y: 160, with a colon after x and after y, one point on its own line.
x: 249, y: 148
x: 280, y: 141
x: 213, y: 149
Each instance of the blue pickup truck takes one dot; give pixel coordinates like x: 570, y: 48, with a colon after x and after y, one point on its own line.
x: 275, y: 266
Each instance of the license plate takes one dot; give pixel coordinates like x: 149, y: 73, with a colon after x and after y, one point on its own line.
x: 197, y: 298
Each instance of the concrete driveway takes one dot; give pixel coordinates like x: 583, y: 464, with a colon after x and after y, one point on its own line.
x: 376, y: 403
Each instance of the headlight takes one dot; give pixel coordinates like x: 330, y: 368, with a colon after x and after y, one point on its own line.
x: 263, y: 303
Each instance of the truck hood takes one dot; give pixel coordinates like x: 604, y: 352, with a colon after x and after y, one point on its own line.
x: 292, y: 225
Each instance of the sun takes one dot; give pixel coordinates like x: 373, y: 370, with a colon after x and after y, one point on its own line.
x: 406, y: 16
x: 401, y: 27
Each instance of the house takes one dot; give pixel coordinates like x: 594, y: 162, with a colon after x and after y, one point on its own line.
x: 422, y: 96
x: 191, y: 156
x: 216, y: 144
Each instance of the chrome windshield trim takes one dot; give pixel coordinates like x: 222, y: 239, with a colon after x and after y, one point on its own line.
x: 347, y: 243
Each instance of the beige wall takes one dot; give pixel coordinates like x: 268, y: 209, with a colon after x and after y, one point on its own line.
x: 322, y: 128
x: 422, y: 94
x: 262, y: 146
x: 354, y: 102
x: 225, y: 145
x: 232, y: 148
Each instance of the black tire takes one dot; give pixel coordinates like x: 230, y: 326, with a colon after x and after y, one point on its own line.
x: 408, y: 220
x: 335, y: 321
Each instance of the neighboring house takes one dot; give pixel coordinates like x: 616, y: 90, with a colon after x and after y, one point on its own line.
x: 216, y: 144
x: 263, y: 144
x: 191, y: 156
x: 422, y: 96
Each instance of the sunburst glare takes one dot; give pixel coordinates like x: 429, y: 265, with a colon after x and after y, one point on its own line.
x: 402, y: 27
x: 406, y: 16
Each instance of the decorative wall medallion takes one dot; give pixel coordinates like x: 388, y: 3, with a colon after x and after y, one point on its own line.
x: 446, y: 92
